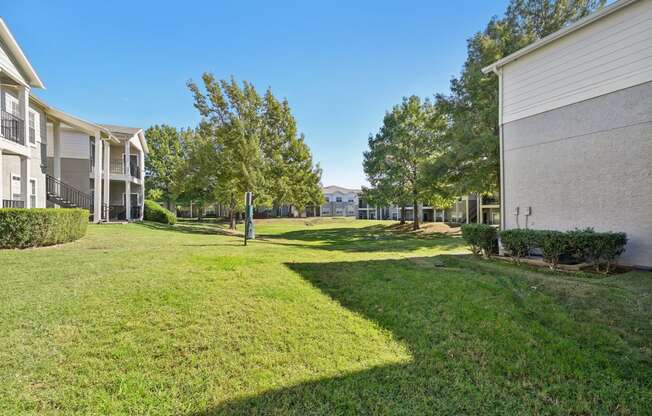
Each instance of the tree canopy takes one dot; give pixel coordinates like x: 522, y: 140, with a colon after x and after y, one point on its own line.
x: 248, y: 142
x: 465, y: 157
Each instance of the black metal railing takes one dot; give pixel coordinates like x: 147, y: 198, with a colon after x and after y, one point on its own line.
x: 117, y: 212
x: 12, y: 127
x: 135, y: 212
x: 490, y: 199
x: 64, y: 195
x: 134, y: 170
x: 12, y: 203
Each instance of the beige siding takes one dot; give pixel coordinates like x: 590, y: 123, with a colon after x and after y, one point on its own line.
x: 612, y: 54
x: 74, y: 144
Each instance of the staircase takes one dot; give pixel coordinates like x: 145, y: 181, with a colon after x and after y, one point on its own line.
x: 64, y: 195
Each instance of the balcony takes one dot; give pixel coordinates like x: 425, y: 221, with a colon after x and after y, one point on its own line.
x: 117, y: 166
x: 12, y: 127
x: 12, y: 203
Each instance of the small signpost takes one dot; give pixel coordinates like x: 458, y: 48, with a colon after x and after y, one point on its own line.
x: 249, y: 233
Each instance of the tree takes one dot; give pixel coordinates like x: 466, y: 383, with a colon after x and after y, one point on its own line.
x: 398, y: 154
x: 246, y: 142
x: 471, y: 159
x: 164, y: 163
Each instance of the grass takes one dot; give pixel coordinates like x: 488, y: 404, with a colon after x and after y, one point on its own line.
x: 314, y: 317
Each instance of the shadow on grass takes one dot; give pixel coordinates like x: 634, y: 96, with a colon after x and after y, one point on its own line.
x: 367, y: 239
x: 482, y: 342
x: 188, y: 227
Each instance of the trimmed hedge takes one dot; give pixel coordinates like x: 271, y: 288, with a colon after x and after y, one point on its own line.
x: 600, y: 249
x: 155, y: 212
x: 22, y: 228
x: 553, y: 245
x: 518, y: 242
x: 481, y: 238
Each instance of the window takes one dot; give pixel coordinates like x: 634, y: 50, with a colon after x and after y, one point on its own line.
x: 338, y: 199
x: 32, y: 127
x: 351, y: 200
x: 15, y: 188
x: 32, y: 195
x: 328, y: 199
x: 11, y: 105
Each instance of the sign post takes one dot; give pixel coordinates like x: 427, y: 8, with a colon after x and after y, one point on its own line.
x: 249, y: 218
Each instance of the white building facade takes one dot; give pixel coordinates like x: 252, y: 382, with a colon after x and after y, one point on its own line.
x: 576, y: 128
x: 51, y: 159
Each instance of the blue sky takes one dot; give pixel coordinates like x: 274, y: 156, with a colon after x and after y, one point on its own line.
x: 341, y: 64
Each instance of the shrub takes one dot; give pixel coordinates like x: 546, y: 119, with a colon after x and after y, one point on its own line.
x: 22, y: 228
x: 481, y: 238
x: 155, y: 212
x: 518, y: 242
x: 601, y: 249
x: 553, y: 245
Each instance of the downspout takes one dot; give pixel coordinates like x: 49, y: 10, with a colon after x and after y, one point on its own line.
x: 499, y: 73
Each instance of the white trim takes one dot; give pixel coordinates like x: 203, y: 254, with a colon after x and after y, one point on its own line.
x: 35, y: 194
x: 11, y: 185
x: 18, y: 53
x: 558, y: 34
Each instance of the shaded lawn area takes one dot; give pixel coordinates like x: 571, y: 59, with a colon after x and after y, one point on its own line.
x: 315, y: 317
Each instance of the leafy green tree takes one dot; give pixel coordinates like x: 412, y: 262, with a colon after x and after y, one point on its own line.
x: 470, y: 158
x: 164, y: 163
x: 397, y: 155
x: 246, y: 142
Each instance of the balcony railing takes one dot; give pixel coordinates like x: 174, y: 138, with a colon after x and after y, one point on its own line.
x: 117, y: 166
x: 12, y: 127
x: 12, y: 203
x: 134, y: 169
x: 135, y: 212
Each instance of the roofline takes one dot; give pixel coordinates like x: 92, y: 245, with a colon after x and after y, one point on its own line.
x: 143, y: 141
x: 73, y: 121
x: 5, y: 33
x: 558, y: 34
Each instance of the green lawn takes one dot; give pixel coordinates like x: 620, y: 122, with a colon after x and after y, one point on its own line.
x: 314, y: 317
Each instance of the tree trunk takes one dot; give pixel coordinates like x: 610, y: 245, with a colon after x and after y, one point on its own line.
x: 415, y: 214
x: 402, y: 214
x: 231, y: 219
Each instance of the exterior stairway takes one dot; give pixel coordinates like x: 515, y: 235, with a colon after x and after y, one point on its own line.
x: 67, y: 196
x: 64, y: 195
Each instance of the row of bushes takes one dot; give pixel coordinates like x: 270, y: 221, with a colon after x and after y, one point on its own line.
x: 155, y: 212
x: 601, y: 249
x: 22, y: 228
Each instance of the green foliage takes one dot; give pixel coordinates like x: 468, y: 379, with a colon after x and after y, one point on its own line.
x: 553, y: 245
x: 602, y: 249
x: 519, y: 242
x: 22, y: 228
x: 335, y: 318
x: 155, y: 212
x: 155, y: 194
x: 397, y: 154
x: 165, y: 162
x: 246, y: 142
x: 471, y: 161
x: 481, y: 238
